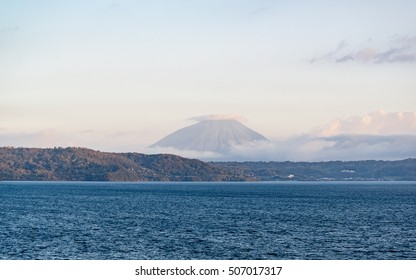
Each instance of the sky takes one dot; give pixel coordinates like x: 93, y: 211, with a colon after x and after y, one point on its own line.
x: 120, y: 75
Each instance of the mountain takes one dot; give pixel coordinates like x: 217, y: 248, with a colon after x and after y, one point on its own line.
x: 80, y: 164
x: 211, y: 136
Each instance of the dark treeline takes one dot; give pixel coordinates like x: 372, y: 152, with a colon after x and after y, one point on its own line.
x: 81, y: 164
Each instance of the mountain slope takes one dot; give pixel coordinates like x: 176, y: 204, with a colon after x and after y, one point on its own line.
x: 210, y: 135
x: 80, y: 164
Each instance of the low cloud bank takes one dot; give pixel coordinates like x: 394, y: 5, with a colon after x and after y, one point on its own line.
x: 299, y: 148
x: 378, y: 135
x: 307, y: 148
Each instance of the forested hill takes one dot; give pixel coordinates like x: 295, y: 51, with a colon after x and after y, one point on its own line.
x: 81, y: 164
x: 366, y: 170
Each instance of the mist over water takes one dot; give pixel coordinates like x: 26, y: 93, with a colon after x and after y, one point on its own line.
x: 208, y: 220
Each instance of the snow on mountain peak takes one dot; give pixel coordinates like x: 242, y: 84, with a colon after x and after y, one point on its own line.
x: 211, y: 133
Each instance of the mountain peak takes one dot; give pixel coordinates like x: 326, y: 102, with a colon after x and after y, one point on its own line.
x: 211, y: 135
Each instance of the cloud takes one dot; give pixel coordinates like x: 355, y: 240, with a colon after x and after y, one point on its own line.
x: 9, y: 29
x: 259, y: 11
x: 359, y: 147
x: 114, y: 6
x: 44, y: 138
x: 307, y: 148
x: 120, y: 141
x: 206, y: 155
x: 217, y: 117
x: 340, y: 147
x: 397, y: 50
x: 86, y: 131
x: 375, y: 123
x: 377, y: 135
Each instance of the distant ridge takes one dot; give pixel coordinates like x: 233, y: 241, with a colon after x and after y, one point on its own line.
x: 211, y: 136
x: 363, y: 170
x: 81, y: 164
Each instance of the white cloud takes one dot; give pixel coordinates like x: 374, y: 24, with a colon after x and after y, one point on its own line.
x: 217, y: 117
x: 359, y: 147
x: 375, y: 123
x: 342, y: 147
x: 378, y: 135
x: 206, y: 155
x: 397, y: 50
x: 304, y: 148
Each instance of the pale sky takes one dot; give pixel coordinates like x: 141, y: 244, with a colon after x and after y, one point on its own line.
x: 120, y: 75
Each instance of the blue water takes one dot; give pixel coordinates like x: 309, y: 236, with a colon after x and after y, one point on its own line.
x: 208, y: 220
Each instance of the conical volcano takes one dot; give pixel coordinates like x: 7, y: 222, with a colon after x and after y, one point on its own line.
x: 217, y: 135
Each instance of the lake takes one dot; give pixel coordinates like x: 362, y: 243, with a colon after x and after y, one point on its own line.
x: 250, y: 220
